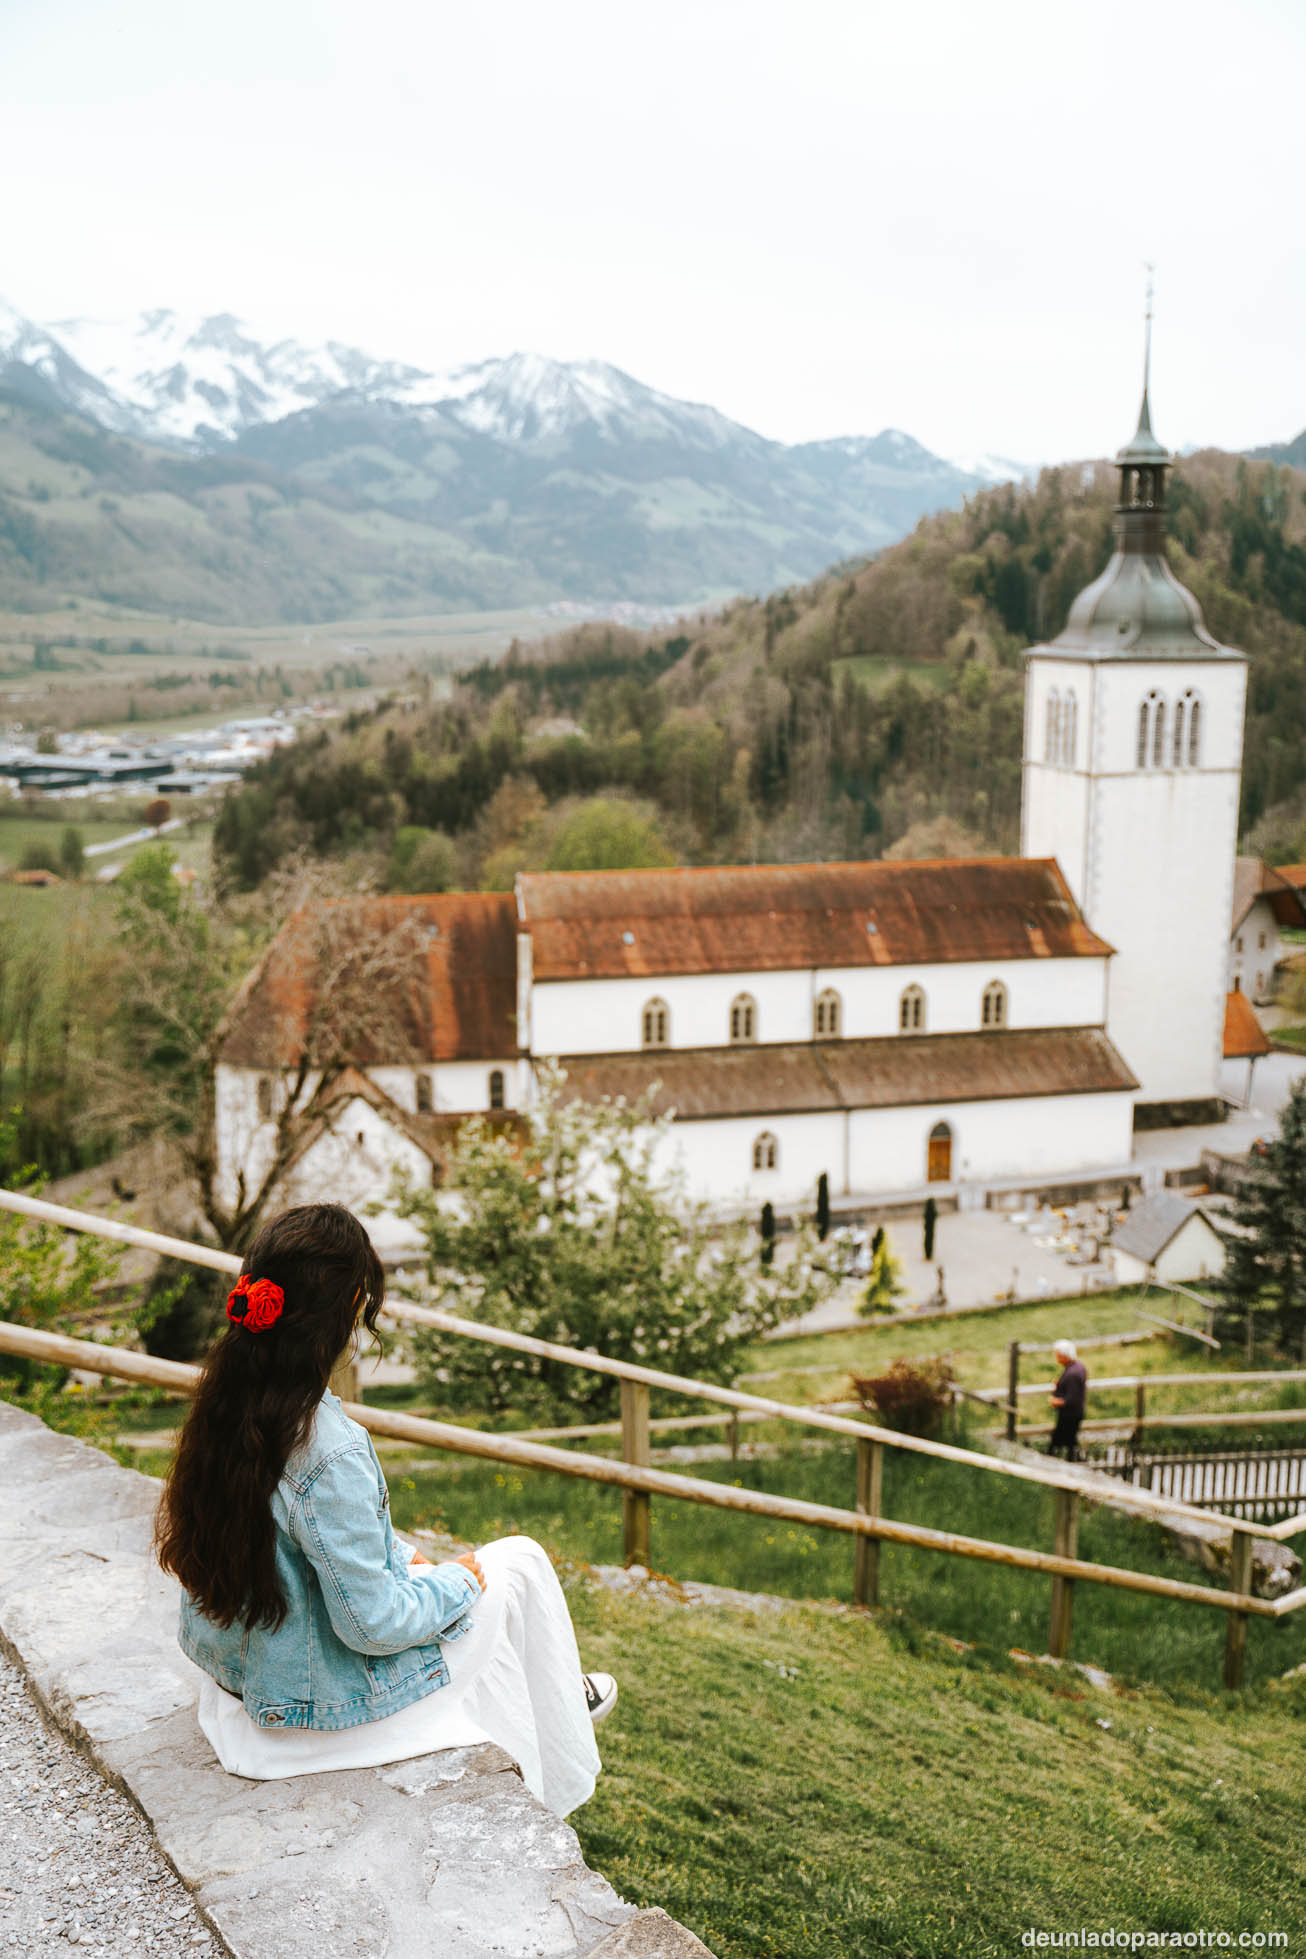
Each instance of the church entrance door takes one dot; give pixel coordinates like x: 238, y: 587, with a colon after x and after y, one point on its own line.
x: 940, y: 1159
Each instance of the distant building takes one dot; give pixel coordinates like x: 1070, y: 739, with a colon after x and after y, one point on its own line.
x: 1166, y: 1237
x: 893, y: 1025
x: 1265, y: 900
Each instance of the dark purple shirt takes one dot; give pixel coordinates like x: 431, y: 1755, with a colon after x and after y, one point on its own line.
x: 1072, y: 1386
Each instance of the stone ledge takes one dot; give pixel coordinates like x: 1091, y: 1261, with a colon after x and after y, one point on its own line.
x: 447, y: 1853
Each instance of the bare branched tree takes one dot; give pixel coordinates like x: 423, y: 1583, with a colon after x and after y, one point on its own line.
x: 342, y: 981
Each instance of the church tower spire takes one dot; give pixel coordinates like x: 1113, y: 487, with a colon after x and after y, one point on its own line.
x: 1133, y: 750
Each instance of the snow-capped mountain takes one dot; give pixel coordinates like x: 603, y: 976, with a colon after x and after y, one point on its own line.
x: 994, y: 469
x: 198, y: 382
x: 502, y: 481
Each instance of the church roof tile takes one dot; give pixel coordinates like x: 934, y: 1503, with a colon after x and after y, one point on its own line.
x: 896, y: 1071
x: 451, y: 986
x: 782, y: 917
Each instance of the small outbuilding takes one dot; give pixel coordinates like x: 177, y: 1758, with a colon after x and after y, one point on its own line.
x: 1166, y: 1237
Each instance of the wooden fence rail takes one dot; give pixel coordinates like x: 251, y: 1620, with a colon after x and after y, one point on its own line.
x: 638, y: 1481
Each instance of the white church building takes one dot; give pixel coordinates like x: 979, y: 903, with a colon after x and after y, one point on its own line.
x: 892, y: 1025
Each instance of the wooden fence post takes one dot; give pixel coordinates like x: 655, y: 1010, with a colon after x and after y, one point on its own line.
x: 1065, y: 1540
x: 1140, y: 1409
x: 870, y: 1495
x: 732, y: 1431
x: 1013, y: 1383
x: 344, y: 1375
x: 1240, y: 1580
x: 636, y: 1505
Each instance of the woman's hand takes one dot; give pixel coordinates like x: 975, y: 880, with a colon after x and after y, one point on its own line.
x: 473, y: 1564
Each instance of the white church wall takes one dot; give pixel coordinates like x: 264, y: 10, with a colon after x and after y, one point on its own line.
x: 338, y: 1167
x: 1155, y: 877
x: 872, y: 1152
x: 715, y: 1159
x: 605, y: 1016
x: 1055, y: 798
x: 1036, y: 1137
x: 353, y: 1164
x: 457, y: 1087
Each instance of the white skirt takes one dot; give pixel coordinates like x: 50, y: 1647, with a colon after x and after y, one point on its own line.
x: 514, y: 1679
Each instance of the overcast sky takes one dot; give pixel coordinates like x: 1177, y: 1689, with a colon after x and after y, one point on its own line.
x: 824, y: 216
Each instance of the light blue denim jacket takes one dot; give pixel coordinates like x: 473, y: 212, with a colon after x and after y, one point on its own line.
x: 361, y: 1638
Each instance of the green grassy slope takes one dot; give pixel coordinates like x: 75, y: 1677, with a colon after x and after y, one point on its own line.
x: 811, y: 1786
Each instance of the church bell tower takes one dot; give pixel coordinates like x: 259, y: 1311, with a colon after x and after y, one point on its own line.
x: 1133, y: 754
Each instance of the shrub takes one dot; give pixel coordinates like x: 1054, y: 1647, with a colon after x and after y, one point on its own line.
x: 885, y: 1284
x: 911, y: 1396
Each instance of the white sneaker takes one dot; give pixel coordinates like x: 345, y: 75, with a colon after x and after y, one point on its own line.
x: 600, y: 1695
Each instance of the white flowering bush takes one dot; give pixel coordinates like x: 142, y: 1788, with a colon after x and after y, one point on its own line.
x: 566, y: 1230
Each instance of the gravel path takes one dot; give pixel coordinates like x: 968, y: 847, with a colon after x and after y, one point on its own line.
x: 78, y: 1866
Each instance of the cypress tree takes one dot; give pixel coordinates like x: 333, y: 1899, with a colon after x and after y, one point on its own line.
x: 929, y: 1219
x: 768, y: 1232
x: 823, y: 1207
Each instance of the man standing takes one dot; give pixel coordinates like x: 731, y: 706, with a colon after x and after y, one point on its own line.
x: 1067, y: 1397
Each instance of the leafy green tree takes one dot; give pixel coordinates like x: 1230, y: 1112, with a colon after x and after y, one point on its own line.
x: 422, y: 860
x: 1265, y: 1270
x: 72, y: 853
x: 49, y: 1279
x: 568, y: 1233
x: 605, y: 834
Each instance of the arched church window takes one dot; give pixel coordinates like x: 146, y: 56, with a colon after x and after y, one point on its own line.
x: 766, y: 1151
x: 1051, y: 730
x: 993, y: 1011
x: 827, y: 1021
x: 743, y: 1018
x: 496, y: 1088
x: 264, y: 1093
x: 424, y: 1099
x: 1194, y: 733
x: 655, y: 1024
x: 1158, y: 733
x: 1069, y: 728
x: 1144, y: 731
x: 1180, y: 732
x: 911, y: 1010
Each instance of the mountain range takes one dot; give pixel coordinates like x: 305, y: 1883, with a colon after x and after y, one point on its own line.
x: 189, y: 466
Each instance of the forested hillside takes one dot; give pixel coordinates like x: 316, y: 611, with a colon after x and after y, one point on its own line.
x: 877, y: 710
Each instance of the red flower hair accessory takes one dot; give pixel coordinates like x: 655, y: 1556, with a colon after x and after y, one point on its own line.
x: 255, y: 1303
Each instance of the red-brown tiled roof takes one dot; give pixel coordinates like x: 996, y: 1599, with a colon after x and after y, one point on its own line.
x: 459, y: 1002
x: 1244, y: 1037
x: 889, y: 1073
x: 1283, y: 886
x: 777, y: 917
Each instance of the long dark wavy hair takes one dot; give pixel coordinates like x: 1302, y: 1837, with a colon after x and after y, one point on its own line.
x: 255, y: 1404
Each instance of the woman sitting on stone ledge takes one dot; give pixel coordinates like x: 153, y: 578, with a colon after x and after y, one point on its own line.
x: 329, y: 1644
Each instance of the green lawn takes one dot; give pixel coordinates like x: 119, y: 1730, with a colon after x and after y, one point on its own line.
x: 18, y: 831
x: 1139, y: 1638
x: 810, y: 1786
x: 816, y: 1367
x: 1291, y: 1037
